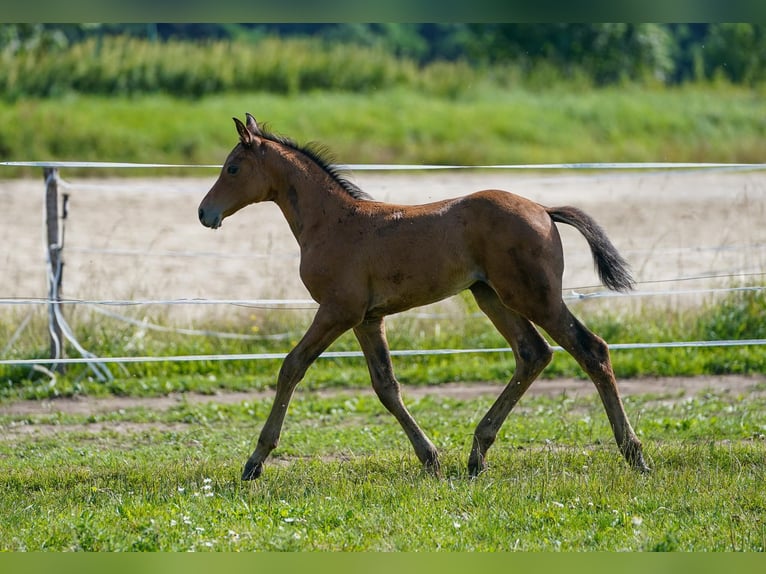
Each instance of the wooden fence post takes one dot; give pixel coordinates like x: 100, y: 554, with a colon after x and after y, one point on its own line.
x: 55, y: 265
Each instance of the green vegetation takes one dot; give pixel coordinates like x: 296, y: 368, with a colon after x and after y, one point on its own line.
x: 125, y: 66
x: 740, y: 316
x: 397, y: 126
x: 344, y: 478
x: 596, y: 53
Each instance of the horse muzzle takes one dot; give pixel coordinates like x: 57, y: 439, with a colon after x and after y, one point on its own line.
x: 209, y: 218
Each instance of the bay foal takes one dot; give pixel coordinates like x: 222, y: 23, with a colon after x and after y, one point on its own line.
x: 362, y: 260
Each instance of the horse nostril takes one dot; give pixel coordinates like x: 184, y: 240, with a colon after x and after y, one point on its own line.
x: 201, y: 213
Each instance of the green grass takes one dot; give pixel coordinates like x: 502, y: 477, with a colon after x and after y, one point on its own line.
x: 737, y: 316
x: 344, y: 478
x: 482, y: 126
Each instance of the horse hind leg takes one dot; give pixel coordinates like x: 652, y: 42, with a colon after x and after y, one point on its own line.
x: 592, y: 353
x: 372, y: 338
x: 532, y: 354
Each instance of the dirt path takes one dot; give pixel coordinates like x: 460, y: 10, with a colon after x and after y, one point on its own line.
x: 667, y: 387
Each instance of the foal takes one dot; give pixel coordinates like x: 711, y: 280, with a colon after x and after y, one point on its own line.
x: 362, y: 260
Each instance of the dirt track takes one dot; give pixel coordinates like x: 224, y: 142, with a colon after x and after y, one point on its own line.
x: 666, y: 388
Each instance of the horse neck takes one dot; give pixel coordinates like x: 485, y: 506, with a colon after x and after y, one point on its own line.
x: 307, y: 195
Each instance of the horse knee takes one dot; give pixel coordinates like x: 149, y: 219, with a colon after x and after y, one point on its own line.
x: 544, y: 356
x: 600, y: 353
x: 600, y: 349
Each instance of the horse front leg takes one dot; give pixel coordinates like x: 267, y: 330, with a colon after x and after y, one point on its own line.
x: 326, y: 327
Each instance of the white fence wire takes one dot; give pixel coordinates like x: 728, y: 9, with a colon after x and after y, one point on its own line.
x: 358, y: 354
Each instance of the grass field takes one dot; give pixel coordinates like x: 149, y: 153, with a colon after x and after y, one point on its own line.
x: 164, y: 474
x: 484, y: 126
x: 345, y: 478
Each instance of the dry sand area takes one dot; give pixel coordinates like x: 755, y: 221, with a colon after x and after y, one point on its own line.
x: 140, y: 238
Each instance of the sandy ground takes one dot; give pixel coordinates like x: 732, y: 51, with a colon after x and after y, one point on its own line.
x: 141, y: 238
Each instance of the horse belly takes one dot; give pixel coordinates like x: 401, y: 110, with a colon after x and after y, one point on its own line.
x: 400, y: 288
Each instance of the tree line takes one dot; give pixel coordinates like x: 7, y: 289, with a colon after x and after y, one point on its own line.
x: 604, y: 53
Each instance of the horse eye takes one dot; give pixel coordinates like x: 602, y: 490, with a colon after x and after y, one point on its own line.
x: 232, y: 169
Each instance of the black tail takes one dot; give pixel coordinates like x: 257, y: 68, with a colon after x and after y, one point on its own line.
x: 612, y: 269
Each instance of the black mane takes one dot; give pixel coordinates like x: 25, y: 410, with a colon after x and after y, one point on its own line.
x: 321, y: 156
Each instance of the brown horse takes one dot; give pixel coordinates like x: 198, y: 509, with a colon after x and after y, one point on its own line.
x: 362, y: 260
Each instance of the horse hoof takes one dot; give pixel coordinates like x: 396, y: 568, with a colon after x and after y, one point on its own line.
x: 252, y: 470
x: 475, y: 468
x: 643, y: 468
x: 636, y: 460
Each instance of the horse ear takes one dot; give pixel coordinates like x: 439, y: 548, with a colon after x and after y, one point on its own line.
x: 252, y: 125
x: 245, y: 135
